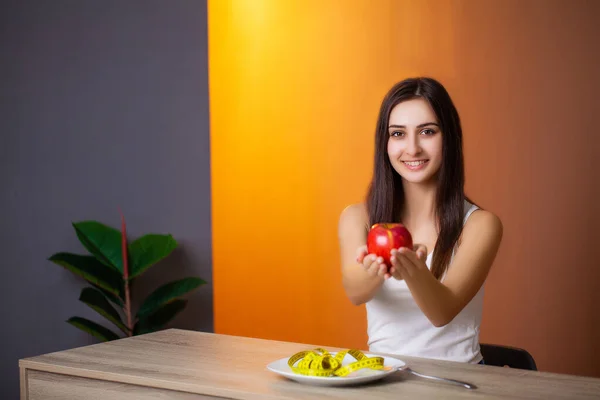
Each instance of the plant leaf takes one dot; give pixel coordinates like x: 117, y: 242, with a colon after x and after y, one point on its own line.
x: 148, y: 250
x: 167, y: 293
x: 90, y: 269
x: 115, y: 299
x: 96, y: 300
x: 159, y: 318
x: 102, y: 241
x: 93, y: 329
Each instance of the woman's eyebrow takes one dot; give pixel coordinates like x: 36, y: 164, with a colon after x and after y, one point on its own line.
x: 418, y: 126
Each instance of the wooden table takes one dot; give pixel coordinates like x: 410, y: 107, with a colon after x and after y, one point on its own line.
x: 179, y: 364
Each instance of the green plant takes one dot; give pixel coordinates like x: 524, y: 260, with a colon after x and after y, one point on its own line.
x: 111, y: 268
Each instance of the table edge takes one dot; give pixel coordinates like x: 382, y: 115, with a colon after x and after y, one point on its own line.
x: 28, y: 364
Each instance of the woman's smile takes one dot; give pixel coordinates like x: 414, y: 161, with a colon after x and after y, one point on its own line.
x: 415, y: 165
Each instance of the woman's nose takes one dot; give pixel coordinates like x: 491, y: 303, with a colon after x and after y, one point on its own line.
x: 413, y: 146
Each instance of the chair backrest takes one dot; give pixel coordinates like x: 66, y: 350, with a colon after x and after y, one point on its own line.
x: 512, y: 357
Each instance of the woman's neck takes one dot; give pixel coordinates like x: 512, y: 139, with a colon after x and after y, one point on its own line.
x: 419, y: 203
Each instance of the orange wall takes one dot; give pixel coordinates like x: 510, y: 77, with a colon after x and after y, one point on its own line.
x: 294, y: 91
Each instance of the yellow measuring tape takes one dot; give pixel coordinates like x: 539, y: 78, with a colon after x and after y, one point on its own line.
x: 319, y: 362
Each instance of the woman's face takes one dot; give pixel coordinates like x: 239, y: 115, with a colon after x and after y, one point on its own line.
x: 415, y: 141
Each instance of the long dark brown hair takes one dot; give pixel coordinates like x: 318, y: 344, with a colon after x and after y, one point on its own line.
x: 385, y: 197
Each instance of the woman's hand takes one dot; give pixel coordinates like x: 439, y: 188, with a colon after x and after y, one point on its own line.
x: 407, y: 262
x: 372, y: 264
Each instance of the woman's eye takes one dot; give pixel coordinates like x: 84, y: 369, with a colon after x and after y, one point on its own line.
x: 397, y: 134
x: 428, y: 131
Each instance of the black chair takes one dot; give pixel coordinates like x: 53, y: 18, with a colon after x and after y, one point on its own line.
x: 512, y: 357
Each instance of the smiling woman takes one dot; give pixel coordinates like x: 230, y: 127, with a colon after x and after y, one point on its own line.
x: 427, y: 304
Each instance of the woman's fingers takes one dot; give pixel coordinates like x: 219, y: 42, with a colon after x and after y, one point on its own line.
x: 396, y: 268
x: 368, y: 264
x: 421, y: 251
x: 372, y: 264
x: 377, y: 267
x: 404, y: 261
x: 361, y: 253
x: 412, y: 260
x: 368, y: 260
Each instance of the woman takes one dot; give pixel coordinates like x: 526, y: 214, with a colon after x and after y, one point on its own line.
x: 429, y: 303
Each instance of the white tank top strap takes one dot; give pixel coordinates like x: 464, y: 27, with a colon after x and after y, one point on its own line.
x: 469, y: 208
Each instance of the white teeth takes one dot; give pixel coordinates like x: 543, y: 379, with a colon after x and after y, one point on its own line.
x: 414, y: 163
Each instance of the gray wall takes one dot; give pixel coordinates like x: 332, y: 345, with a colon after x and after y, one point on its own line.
x: 104, y: 104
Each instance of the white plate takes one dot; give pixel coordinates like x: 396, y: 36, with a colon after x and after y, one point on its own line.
x: 391, y: 365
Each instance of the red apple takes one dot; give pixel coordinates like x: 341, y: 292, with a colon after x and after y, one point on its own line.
x: 384, y: 237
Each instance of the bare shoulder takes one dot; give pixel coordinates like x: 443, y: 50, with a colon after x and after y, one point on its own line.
x: 354, y: 214
x: 483, y: 228
x: 479, y: 244
x: 483, y: 221
x: 352, y: 217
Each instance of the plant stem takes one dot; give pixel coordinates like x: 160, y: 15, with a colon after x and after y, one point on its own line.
x: 128, y: 309
x: 126, y: 274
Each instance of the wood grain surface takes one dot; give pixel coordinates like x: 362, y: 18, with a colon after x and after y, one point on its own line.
x: 206, y: 364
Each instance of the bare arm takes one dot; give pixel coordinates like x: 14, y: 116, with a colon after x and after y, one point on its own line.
x: 441, y: 302
x: 360, y: 281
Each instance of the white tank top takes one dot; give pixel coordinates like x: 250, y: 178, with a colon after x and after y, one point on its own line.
x: 396, y: 324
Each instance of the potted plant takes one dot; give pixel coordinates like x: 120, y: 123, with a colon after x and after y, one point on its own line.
x: 112, y: 265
